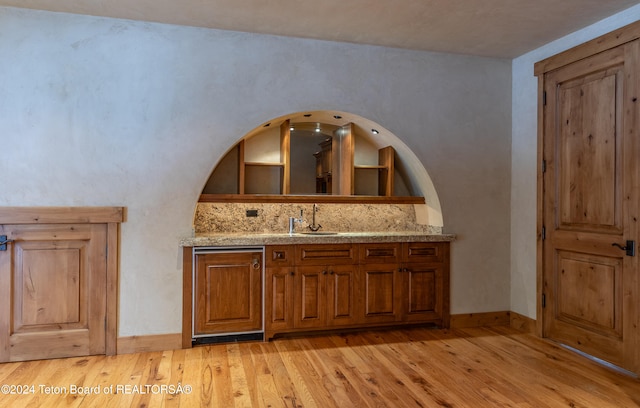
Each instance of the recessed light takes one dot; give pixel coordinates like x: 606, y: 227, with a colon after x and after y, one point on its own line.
x: 374, y: 131
x: 267, y: 125
x: 337, y: 117
x: 292, y: 128
x: 317, y: 129
x: 306, y: 115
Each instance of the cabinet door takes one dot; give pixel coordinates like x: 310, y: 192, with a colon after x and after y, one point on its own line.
x: 380, y: 288
x: 310, y: 297
x: 228, y: 295
x: 279, y: 294
x: 341, y: 301
x: 53, y: 283
x: 423, y: 287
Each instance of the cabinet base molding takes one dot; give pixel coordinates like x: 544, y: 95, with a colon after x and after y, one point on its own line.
x: 349, y: 329
x: 143, y: 344
x: 461, y: 321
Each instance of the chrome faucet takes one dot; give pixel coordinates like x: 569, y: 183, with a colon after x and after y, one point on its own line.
x: 292, y: 223
x: 313, y: 227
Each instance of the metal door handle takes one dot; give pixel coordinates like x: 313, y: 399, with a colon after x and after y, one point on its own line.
x: 629, y: 248
x: 256, y: 264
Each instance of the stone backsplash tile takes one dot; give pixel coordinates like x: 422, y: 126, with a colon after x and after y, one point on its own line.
x: 274, y: 218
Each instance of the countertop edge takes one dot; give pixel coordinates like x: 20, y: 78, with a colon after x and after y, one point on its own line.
x: 256, y: 239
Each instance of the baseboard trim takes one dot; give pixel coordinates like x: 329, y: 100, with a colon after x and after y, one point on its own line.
x: 461, y: 321
x: 505, y: 318
x: 523, y: 323
x: 173, y: 341
x: 156, y: 342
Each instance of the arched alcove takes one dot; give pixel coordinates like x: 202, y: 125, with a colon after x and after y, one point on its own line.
x: 280, y: 161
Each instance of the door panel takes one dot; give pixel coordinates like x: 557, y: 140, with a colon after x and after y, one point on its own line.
x: 310, y: 295
x: 341, y: 284
x: 279, y: 291
x: 45, y: 268
x: 589, y: 163
x: 228, y: 292
x: 381, y: 287
x: 588, y: 296
x: 591, y: 202
x: 423, y: 286
x: 53, y: 285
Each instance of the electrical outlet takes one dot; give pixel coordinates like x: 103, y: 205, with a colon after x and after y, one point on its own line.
x: 252, y: 213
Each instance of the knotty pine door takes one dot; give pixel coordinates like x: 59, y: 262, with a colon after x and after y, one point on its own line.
x: 53, y: 284
x: 589, y: 297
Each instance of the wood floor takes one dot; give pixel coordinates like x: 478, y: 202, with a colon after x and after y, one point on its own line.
x: 484, y: 367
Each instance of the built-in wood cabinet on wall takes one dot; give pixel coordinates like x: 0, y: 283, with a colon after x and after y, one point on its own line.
x: 314, y: 287
x: 320, y: 287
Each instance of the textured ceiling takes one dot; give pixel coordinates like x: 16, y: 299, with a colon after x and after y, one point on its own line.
x: 495, y: 28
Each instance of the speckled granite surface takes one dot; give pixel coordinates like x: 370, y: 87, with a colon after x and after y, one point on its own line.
x: 224, y: 224
x: 252, y: 239
x: 231, y: 217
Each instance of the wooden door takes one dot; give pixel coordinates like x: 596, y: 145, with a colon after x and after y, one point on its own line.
x: 341, y: 302
x: 590, y: 205
x: 53, y: 284
x: 228, y: 292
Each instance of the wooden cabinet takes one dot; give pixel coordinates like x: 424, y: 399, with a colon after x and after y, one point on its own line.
x: 279, y: 274
x: 324, y: 296
x: 227, y: 292
x: 324, y: 285
x: 321, y: 287
x: 380, y: 283
x: 425, y: 271
x: 406, y: 282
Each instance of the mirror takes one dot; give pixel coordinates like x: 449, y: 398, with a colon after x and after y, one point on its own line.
x: 297, y: 156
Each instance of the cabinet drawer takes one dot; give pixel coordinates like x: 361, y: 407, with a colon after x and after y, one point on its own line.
x: 329, y: 254
x: 388, y: 252
x: 423, y: 252
x: 279, y: 255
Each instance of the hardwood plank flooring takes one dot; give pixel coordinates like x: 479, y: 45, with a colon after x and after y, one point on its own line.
x: 419, y: 367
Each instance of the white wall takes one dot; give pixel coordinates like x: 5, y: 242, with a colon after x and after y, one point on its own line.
x: 524, y: 154
x: 97, y: 111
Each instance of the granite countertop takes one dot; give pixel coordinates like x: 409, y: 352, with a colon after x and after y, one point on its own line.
x: 248, y: 238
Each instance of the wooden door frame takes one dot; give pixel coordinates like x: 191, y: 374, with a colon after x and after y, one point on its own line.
x: 605, y: 42
x: 112, y: 217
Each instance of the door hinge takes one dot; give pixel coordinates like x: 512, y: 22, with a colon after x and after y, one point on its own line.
x: 4, y: 240
x: 544, y: 300
x: 543, y: 233
x: 544, y: 166
x: 544, y: 98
